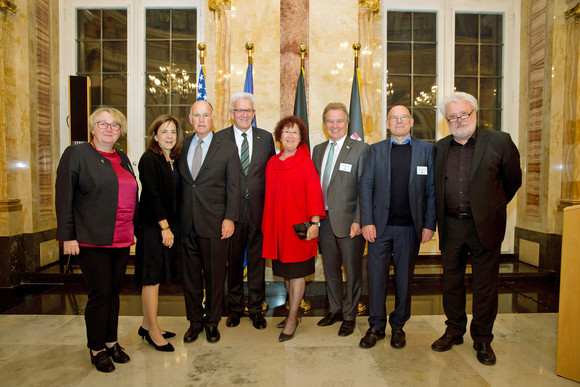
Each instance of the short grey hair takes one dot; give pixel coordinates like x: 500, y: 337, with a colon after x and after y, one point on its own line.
x: 242, y: 95
x: 335, y: 106
x: 456, y: 97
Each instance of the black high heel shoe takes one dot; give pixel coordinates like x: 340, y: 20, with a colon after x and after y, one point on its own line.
x: 284, y: 337
x: 163, y: 348
x: 144, y: 332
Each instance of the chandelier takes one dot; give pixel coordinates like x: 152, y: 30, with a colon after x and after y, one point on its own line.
x: 172, y: 81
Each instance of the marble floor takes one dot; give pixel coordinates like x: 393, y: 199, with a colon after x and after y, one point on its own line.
x: 49, y: 350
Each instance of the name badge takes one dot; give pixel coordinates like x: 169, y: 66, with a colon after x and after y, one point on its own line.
x: 421, y: 170
x: 345, y: 167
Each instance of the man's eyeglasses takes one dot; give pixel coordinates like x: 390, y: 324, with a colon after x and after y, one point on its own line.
x: 103, y: 125
x: 241, y: 111
x: 402, y: 117
x: 462, y: 116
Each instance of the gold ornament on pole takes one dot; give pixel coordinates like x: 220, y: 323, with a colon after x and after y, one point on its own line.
x: 201, y: 47
x: 214, y: 5
x: 356, y: 47
x: 373, y: 6
x: 249, y: 49
x: 302, y: 50
x: 7, y: 6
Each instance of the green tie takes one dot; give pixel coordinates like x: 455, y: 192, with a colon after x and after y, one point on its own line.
x: 245, y: 157
x: 328, y: 170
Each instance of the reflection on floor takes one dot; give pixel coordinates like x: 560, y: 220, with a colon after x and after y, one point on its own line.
x: 49, y: 350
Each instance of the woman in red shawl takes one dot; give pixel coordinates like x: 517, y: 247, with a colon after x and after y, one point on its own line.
x: 293, y: 196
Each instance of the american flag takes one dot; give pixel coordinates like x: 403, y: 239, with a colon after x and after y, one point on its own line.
x: 201, y: 92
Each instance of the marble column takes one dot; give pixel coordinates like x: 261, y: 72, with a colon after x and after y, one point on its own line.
x: 222, y: 17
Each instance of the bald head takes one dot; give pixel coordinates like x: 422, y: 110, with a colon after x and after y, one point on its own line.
x: 201, y: 118
x: 399, y: 123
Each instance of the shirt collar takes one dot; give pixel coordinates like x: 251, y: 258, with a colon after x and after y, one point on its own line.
x: 238, y: 132
x: 407, y: 141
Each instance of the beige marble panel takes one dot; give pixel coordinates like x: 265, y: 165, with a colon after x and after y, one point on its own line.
x: 331, y: 59
x: 530, y: 252
x: 49, y: 252
x: 258, y: 22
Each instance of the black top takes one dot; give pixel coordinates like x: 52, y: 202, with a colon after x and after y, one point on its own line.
x: 400, y: 208
x: 159, y: 185
x: 457, y: 172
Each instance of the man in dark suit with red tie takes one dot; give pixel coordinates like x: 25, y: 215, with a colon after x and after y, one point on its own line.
x: 255, y: 147
x: 209, y: 205
x: 477, y: 173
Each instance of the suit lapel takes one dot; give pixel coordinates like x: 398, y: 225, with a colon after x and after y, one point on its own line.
x: 346, y: 147
x: 443, y: 160
x: 414, y: 159
x: 256, y: 144
x: 320, y: 156
x: 183, y: 167
x: 385, y: 160
x: 213, y: 148
x: 481, y: 141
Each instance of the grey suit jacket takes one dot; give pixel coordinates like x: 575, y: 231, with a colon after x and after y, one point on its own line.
x: 255, y: 180
x: 494, y: 179
x: 344, y: 186
x: 215, y: 194
x: 375, y: 194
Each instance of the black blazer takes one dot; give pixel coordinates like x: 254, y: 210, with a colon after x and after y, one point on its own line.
x: 215, y: 193
x: 255, y: 181
x: 157, y: 190
x: 494, y: 179
x: 87, y: 189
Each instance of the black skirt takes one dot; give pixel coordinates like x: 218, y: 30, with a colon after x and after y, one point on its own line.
x: 293, y: 270
x: 154, y: 263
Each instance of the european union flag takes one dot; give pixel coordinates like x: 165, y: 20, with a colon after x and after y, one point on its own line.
x: 201, y: 92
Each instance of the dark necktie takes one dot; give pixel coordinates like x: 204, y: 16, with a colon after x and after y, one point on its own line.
x: 245, y: 156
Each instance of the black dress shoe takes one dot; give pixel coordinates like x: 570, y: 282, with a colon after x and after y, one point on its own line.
x: 102, y: 361
x: 192, y: 333
x: 282, y: 323
x: 117, y: 354
x: 446, y: 342
x: 371, y: 338
x: 330, y: 319
x: 346, y: 328
x: 258, y: 320
x: 212, y: 334
x: 284, y: 337
x: 485, y: 353
x: 233, y: 320
x: 163, y: 348
x: 143, y: 332
x: 398, y: 338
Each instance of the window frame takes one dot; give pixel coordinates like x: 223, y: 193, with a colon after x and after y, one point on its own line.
x: 136, y: 29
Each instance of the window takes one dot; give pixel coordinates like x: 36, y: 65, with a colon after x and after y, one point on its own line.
x: 411, y: 67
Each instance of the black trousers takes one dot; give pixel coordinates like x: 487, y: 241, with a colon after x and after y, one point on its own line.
x: 204, y: 261
x: 461, y: 241
x: 246, y: 241
x: 103, y: 269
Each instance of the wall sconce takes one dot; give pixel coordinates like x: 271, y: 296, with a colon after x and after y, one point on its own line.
x: 7, y: 6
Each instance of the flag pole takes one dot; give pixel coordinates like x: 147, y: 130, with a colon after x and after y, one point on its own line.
x: 356, y: 47
x: 249, y: 49
x: 201, y: 47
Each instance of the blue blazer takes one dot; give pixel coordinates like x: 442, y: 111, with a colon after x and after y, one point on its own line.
x: 375, y: 192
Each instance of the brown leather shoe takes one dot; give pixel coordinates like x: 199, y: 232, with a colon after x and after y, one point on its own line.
x: 398, y: 338
x: 485, y: 353
x: 446, y: 342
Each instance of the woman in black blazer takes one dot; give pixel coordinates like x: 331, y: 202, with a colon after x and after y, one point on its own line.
x: 96, y: 198
x: 156, y: 245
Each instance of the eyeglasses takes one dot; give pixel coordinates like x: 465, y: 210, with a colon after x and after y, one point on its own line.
x: 103, y: 125
x: 402, y: 117
x: 462, y: 116
x: 242, y: 111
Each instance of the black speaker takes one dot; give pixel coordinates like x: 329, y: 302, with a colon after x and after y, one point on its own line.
x: 79, y: 108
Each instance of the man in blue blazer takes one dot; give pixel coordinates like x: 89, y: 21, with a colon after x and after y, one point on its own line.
x: 397, y: 206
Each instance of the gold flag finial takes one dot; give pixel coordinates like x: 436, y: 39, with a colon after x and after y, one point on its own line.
x: 249, y: 49
x: 201, y: 47
x: 356, y: 48
x: 302, y: 50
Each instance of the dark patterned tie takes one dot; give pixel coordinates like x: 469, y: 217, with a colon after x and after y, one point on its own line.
x: 245, y: 157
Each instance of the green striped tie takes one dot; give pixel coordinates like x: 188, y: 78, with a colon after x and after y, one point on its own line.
x: 245, y: 158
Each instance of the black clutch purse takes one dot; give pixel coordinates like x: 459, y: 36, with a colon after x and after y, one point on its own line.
x: 301, y: 229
